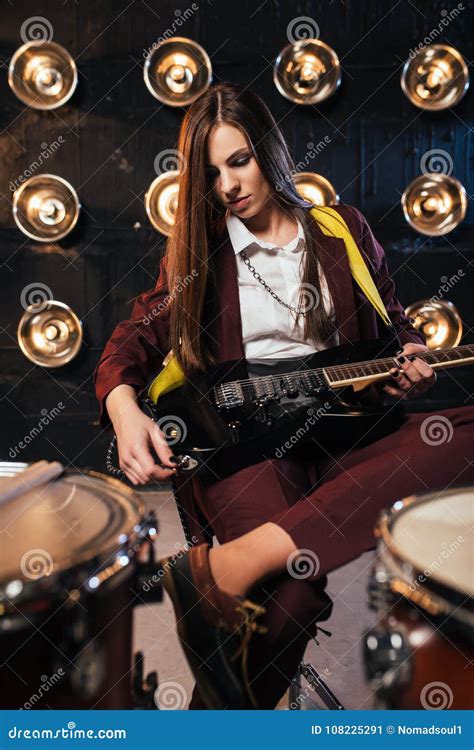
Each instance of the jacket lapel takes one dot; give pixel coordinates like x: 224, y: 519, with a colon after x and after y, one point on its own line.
x: 226, y: 329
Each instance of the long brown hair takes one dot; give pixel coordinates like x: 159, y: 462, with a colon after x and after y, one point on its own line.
x: 200, y: 218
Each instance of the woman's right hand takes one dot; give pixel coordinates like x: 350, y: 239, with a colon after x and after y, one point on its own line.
x: 135, y: 435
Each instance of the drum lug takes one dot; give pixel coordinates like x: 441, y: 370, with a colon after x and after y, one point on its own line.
x: 147, y: 584
x: 143, y: 692
x: 387, y: 659
x: 379, y: 593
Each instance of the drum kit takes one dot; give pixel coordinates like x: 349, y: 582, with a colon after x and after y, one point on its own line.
x: 77, y: 556
x: 420, y: 654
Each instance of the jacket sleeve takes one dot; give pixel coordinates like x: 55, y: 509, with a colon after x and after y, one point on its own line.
x: 136, y: 347
x: 377, y: 263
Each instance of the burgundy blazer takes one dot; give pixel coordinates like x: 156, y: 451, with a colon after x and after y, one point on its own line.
x: 135, y: 350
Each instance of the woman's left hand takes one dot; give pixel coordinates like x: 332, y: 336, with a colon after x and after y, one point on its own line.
x: 413, y: 377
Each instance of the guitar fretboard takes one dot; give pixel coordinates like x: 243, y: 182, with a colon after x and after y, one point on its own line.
x: 442, y: 358
x: 341, y: 375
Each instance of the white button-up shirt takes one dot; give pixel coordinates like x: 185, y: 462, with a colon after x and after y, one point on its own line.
x: 268, y: 328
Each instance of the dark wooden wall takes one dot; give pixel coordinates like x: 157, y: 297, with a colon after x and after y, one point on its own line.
x: 113, y: 128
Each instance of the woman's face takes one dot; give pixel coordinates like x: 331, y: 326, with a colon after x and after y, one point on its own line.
x: 233, y: 172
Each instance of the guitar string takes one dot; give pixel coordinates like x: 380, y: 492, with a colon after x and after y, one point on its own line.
x: 269, y: 379
x: 274, y: 381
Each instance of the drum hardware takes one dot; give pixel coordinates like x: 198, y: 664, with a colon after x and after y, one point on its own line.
x: 435, y: 78
x: 314, y: 680
x: 439, y: 321
x: 161, y: 201
x: 316, y: 189
x: 37, y: 474
x: 177, y: 71
x: 88, y: 673
x: 82, y: 658
x: 42, y: 74
x: 434, y: 204
x: 143, y: 691
x: 50, y: 334
x: 76, y: 617
x: 146, y: 572
x: 404, y: 576
x: 387, y: 659
x: 46, y: 207
x: 378, y: 588
x: 307, y: 72
x: 320, y: 688
x: 421, y: 587
x: 316, y: 683
x: 423, y: 600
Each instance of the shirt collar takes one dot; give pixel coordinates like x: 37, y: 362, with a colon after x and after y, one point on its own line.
x: 241, y: 237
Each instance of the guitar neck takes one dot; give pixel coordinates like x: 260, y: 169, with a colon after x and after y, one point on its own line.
x: 360, y: 374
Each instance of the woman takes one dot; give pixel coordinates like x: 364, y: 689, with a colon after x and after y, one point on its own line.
x: 240, y: 220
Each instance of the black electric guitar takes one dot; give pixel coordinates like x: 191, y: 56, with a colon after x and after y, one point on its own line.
x: 240, y: 413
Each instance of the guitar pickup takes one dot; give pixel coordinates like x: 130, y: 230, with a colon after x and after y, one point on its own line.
x: 311, y: 384
x: 288, y: 388
x: 264, y: 392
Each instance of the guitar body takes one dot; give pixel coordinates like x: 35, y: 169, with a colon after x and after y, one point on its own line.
x: 240, y: 413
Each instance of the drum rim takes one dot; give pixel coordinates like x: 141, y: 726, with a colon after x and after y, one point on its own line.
x: 433, y: 595
x: 44, y: 585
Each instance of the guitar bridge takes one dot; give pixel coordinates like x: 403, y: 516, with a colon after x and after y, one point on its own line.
x: 228, y: 396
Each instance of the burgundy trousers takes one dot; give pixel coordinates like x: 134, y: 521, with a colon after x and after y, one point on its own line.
x: 329, y: 507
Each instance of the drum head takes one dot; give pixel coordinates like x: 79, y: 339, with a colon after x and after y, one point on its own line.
x: 79, y: 517
x: 431, y: 537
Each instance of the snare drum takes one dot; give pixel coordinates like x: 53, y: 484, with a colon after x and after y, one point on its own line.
x: 420, y: 654
x: 70, y: 576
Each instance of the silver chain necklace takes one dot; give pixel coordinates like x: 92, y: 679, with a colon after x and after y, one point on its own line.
x: 255, y: 273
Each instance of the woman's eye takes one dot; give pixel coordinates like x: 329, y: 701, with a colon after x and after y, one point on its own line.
x: 211, y: 174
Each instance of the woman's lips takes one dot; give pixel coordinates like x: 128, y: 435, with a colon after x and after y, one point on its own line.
x: 240, y: 203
